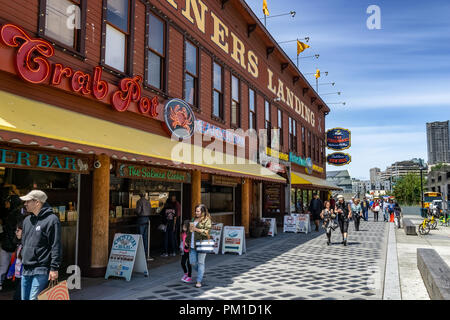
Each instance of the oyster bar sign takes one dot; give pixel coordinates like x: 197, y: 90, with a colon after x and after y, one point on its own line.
x: 32, y: 65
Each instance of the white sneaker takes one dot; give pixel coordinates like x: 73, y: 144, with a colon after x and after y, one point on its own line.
x: 174, y: 254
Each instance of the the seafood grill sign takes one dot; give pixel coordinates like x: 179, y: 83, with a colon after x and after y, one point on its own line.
x: 338, y: 139
x: 339, y: 159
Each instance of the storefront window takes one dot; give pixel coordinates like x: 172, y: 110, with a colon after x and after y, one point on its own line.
x: 218, y: 199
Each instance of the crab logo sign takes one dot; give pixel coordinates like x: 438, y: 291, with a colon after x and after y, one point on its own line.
x: 179, y: 119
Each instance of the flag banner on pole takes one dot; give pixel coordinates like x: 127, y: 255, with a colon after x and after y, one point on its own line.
x: 317, y: 75
x: 265, y: 9
x: 301, y: 47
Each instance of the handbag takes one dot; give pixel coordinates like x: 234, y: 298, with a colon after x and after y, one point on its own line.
x: 55, y: 291
x: 162, y: 227
x: 205, y: 246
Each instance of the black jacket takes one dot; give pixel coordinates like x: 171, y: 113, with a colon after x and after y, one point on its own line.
x: 41, y: 240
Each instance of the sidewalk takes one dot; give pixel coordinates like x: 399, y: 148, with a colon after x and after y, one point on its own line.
x: 412, y: 286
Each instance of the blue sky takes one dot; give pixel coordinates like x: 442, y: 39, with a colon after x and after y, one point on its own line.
x: 393, y: 80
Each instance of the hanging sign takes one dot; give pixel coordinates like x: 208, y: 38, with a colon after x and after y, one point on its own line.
x: 216, y: 234
x: 234, y: 240
x: 127, y: 256
x: 338, y: 139
x: 273, y: 226
x: 179, y: 119
x: 339, y: 159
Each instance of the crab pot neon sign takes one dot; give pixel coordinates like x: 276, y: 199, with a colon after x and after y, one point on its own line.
x: 179, y: 119
x: 32, y: 65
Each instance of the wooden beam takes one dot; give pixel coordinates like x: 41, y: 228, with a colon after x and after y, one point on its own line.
x: 223, y: 3
x: 250, y: 29
x: 295, y: 79
x: 269, y: 51
x: 313, y: 99
x: 284, y: 66
x: 305, y: 90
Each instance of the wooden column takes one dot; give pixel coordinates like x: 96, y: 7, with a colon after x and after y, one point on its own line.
x: 196, y: 192
x: 246, y: 204
x: 100, y: 214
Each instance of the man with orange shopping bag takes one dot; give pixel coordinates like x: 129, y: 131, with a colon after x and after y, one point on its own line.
x: 41, y: 240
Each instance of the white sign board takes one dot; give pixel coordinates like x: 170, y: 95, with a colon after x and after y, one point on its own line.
x: 290, y: 223
x: 216, y: 234
x: 273, y: 226
x: 127, y: 256
x: 303, y: 224
x: 233, y: 240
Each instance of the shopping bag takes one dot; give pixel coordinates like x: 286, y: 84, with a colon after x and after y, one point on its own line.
x: 55, y: 291
x: 205, y: 246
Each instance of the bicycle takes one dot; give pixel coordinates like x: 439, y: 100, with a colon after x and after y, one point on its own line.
x: 427, y: 225
x: 443, y: 220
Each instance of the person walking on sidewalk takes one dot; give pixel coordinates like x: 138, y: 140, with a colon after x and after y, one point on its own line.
x: 376, y: 209
x: 356, y: 213
x: 170, y: 218
x: 184, y: 247
x: 41, y: 239
x: 328, y: 217
x: 391, y: 211
x: 344, y: 212
x: 199, y: 230
x: 398, y: 213
x: 315, y: 208
x: 143, y: 211
x: 9, y: 243
x: 385, y: 208
x: 365, y: 208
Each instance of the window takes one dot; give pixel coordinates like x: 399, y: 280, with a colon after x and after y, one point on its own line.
x: 280, y: 126
x: 292, y: 135
x: 235, y: 105
x: 252, y: 109
x: 191, y: 74
x: 310, y: 154
x: 267, y: 124
x: 313, y: 140
x: 217, y: 91
x: 303, y: 142
x: 117, y: 34
x: 156, y: 52
x: 61, y: 21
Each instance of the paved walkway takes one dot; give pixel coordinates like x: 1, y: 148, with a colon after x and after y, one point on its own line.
x: 288, y: 267
x: 412, y: 286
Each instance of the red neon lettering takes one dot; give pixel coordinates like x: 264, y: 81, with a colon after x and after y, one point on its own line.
x: 81, y: 82
x: 59, y: 71
x: 130, y: 90
x: 153, y: 109
x: 31, y: 59
x: 99, y: 86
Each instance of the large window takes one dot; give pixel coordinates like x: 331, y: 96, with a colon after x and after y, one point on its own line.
x: 267, y: 124
x: 117, y: 34
x: 235, y: 101
x: 156, y: 52
x: 218, y: 91
x: 280, y: 126
x: 191, y: 74
x: 60, y: 20
x: 292, y: 135
x: 310, y: 154
x: 252, y: 109
x: 303, y: 142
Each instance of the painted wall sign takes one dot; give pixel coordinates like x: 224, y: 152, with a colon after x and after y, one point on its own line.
x: 234, y: 240
x: 211, y: 130
x: 26, y: 159
x: 276, y: 154
x: 32, y: 65
x: 179, y: 119
x: 339, y: 159
x: 225, y: 181
x: 131, y: 171
x: 304, y: 162
x: 276, y: 167
x: 338, y: 139
x: 317, y: 168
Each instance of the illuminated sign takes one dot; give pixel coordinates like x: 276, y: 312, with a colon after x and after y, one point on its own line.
x: 179, y: 118
x: 339, y: 159
x: 211, y: 130
x: 307, y: 162
x: 338, y: 139
x: 276, y: 154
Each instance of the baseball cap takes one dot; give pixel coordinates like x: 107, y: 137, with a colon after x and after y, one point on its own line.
x: 340, y: 196
x: 35, y: 195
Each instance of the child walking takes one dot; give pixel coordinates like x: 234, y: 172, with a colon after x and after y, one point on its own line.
x: 185, y: 263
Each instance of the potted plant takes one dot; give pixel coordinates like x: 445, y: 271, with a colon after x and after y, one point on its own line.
x: 256, y: 228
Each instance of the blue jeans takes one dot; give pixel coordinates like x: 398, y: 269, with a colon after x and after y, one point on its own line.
x: 143, y: 230
x: 33, y: 285
x: 366, y: 215
x: 198, y: 263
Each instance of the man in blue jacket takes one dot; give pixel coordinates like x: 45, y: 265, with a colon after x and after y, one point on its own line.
x: 41, y: 240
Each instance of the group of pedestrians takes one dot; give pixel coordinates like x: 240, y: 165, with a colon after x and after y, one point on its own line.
x: 390, y: 210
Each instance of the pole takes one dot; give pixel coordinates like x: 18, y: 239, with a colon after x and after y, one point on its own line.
x: 265, y: 20
x: 421, y: 192
x: 317, y: 85
x: 297, y: 61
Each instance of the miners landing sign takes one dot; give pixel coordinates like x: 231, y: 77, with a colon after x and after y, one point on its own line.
x: 338, y: 139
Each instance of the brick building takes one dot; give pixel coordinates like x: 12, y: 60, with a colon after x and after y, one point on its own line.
x: 91, y: 93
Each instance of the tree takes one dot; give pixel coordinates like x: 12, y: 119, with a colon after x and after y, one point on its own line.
x: 407, y: 189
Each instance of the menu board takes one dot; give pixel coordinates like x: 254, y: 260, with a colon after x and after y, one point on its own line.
x: 272, y: 198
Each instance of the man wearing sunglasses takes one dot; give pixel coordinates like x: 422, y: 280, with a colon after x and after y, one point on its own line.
x: 41, y: 240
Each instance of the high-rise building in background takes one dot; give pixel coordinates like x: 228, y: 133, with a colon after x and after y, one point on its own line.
x: 438, y: 142
x: 374, y: 174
